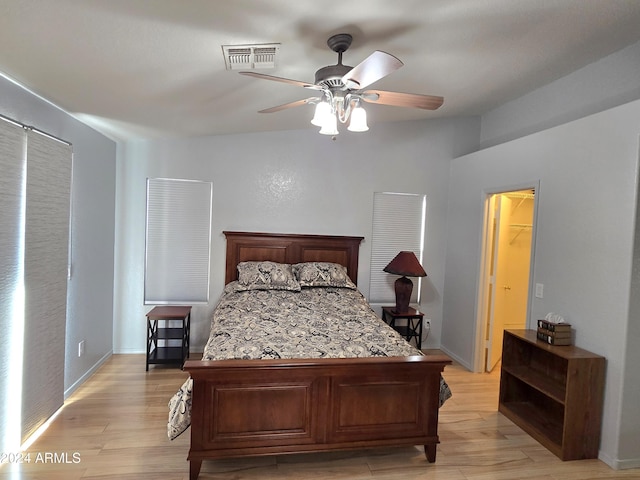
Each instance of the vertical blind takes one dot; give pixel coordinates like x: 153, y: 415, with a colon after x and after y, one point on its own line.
x: 178, y: 239
x: 34, y: 237
x: 46, y: 266
x: 12, y: 141
x: 398, y: 225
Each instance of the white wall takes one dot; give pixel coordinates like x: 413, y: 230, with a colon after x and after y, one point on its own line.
x: 630, y: 420
x: 289, y: 182
x: 90, y: 293
x: 584, y: 241
x: 606, y: 83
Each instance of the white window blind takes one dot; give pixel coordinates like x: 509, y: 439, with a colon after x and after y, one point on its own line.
x: 12, y: 179
x: 398, y: 224
x: 178, y: 240
x: 34, y: 246
x: 46, y: 254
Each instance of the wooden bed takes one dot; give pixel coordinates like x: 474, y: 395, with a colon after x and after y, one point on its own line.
x: 267, y: 407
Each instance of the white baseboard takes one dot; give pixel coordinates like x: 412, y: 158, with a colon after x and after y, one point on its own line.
x: 626, y: 464
x: 129, y: 351
x: 619, y: 464
x: 456, y: 358
x: 135, y: 351
x: 84, y: 377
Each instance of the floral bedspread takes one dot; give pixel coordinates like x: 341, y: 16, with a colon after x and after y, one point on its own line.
x: 319, y: 322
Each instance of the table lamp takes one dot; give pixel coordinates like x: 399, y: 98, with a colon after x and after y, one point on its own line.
x: 405, y: 264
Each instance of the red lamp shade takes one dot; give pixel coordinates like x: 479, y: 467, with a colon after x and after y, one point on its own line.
x: 407, y: 265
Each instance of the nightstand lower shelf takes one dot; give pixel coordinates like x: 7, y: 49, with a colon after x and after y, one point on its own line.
x: 160, y: 336
x: 413, y: 327
x: 166, y: 355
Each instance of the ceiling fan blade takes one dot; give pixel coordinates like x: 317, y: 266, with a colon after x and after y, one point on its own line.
x: 297, y: 103
x: 280, y: 79
x: 414, y: 100
x: 376, y: 66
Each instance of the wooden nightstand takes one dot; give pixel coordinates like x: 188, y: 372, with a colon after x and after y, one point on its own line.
x: 158, y: 348
x: 413, y: 327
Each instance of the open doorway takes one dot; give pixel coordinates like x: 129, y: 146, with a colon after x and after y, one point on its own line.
x: 506, y: 270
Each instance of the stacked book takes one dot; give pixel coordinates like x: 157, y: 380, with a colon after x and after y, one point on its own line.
x: 554, y: 333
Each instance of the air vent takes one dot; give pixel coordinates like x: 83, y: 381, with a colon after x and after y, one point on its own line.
x: 250, y: 57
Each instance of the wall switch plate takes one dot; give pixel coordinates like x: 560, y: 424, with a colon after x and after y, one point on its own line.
x: 81, y: 348
x: 539, y: 290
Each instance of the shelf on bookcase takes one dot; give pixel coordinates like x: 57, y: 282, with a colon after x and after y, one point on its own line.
x: 540, y: 382
x: 536, y: 422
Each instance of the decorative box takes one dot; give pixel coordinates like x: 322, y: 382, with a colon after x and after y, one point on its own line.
x: 554, y: 333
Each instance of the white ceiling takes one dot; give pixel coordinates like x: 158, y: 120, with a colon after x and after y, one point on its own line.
x: 149, y: 68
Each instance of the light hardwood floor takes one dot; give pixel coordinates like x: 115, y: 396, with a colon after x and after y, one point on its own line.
x: 115, y: 425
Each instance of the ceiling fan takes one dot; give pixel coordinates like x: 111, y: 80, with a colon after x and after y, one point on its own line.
x: 341, y: 89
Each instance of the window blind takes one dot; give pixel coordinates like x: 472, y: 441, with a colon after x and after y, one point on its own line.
x: 34, y: 246
x: 12, y: 143
x: 178, y: 239
x: 398, y: 224
x: 46, y: 256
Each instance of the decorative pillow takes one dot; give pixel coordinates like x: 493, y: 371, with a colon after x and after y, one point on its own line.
x: 267, y: 276
x: 322, y: 274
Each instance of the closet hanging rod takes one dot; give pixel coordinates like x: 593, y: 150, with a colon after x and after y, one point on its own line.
x: 33, y: 129
x: 521, y: 195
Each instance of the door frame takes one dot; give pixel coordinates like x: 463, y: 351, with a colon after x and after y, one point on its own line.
x: 485, y: 267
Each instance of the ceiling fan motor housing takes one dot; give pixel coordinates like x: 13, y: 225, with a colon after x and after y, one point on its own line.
x: 331, y: 76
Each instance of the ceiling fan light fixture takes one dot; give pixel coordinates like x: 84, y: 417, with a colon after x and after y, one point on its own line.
x: 323, y: 110
x: 341, y: 88
x: 358, y: 122
x: 330, y: 125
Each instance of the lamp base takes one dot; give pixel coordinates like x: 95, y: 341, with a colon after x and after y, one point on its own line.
x: 404, y: 287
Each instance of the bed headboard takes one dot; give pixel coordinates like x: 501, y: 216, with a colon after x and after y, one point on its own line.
x: 290, y: 248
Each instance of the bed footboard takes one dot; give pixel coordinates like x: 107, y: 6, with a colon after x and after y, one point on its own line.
x: 267, y: 407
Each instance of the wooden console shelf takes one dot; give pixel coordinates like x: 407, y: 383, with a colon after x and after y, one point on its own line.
x: 554, y: 393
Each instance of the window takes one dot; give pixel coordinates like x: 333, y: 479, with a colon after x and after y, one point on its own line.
x: 178, y: 239
x: 398, y: 224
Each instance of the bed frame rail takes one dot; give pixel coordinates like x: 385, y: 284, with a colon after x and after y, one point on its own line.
x: 267, y: 407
